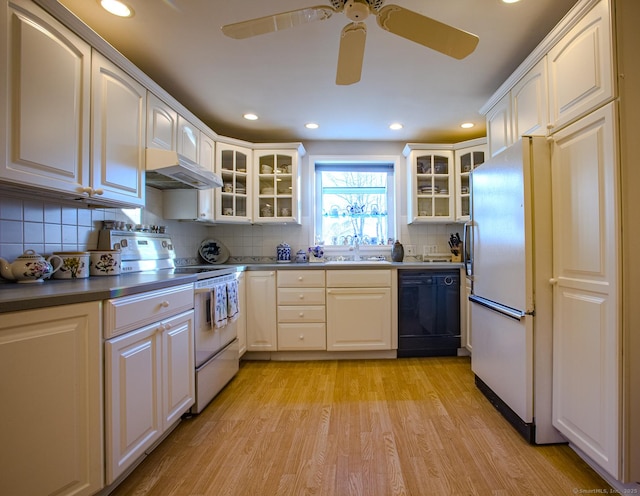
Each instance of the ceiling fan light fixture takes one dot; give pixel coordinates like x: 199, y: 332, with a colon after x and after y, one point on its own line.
x: 250, y: 117
x: 117, y: 8
x: 395, y: 126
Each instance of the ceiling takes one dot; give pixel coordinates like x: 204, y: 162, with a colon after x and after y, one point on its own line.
x: 287, y: 78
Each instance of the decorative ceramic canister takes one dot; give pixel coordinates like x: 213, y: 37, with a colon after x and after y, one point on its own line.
x: 301, y: 256
x: 283, y: 252
x: 397, y: 252
x: 104, y: 262
x: 72, y: 265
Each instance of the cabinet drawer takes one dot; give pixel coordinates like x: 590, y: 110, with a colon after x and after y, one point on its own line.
x: 301, y: 296
x: 301, y: 337
x: 131, y: 312
x: 358, y: 278
x: 301, y: 314
x: 301, y: 278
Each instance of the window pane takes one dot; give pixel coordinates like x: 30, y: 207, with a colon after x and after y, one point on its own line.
x: 354, y: 202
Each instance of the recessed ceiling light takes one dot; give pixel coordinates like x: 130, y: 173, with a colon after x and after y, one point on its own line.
x: 510, y: 1
x: 117, y: 8
x: 467, y: 125
x: 250, y: 117
x: 311, y: 125
x: 395, y: 126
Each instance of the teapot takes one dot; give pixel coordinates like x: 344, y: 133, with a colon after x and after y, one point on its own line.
x: 28, y: 267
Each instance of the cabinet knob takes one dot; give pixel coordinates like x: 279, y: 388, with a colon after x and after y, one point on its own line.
x: 301, y: 337
x: 553, y: 281
x: 300, y: 278
x: 164, y: 304
x: 301, y: 297
x: 98, y: 192
x: 301, y: 314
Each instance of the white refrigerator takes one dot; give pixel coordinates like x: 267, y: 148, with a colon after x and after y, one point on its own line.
x: 512, y: 296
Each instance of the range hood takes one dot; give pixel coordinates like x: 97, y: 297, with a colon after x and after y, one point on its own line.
x: 167, y: 169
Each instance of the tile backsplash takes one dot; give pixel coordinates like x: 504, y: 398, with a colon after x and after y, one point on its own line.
x: 46, y: 226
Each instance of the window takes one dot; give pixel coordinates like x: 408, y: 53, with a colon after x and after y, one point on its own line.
x: 354, y: 200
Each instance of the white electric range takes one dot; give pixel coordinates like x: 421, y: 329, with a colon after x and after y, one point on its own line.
x: 215, y: 305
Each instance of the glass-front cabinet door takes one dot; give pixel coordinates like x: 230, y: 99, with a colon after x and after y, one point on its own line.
x: 233, y: 200
x: 430, y: 182
x: 277, y: 185
x: 467, y: 159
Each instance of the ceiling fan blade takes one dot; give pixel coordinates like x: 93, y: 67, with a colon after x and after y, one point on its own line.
x: 426, y: 31
x: 351, y: 53
x: 277, y: 22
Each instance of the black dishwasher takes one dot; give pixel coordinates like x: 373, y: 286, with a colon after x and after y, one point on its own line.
x: 428, y: 313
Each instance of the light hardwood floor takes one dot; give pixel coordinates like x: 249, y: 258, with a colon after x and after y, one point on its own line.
x: 370, y: 427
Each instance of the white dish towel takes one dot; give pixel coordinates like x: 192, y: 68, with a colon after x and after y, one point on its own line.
x: 219, y: 304
x: 233, y: 306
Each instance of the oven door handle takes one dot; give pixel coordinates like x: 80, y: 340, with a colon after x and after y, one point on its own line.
x: 198, y: 291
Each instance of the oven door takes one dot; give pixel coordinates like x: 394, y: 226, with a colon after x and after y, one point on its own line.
x: 209, y: 340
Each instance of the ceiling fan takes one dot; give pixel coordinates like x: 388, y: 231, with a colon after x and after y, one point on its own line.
x: 397, y: 20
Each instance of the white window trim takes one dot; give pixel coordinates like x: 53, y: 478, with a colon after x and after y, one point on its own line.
x: 393, y: 209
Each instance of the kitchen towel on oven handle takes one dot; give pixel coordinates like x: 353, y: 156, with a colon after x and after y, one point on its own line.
x: 219, y: 304
x: 233, y: 305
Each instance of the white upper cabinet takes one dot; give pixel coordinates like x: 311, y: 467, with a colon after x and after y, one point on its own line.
x: 45, y: 101
x: 580, y: 68
x: 162, y: 124
x: 467, y: 157
x: 207, y: 152
x: 234, y: 165
x: 430, y: 195
x: 277, y: 183
x: 188, y: 139
x: 499, y: 131
x: 118, y: 134
x: 530, y: 103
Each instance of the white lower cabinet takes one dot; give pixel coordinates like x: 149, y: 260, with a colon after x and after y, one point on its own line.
x: 359, y: 310
x: 301, y: 310
x: 586, y: 332
x: 261, y: 318
x: 51, y: 427
x: 149, y: 385
x: 149, y: 371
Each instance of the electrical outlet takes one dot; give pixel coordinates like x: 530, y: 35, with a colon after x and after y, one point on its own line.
x: 429, y: 250
x: 410, y: 250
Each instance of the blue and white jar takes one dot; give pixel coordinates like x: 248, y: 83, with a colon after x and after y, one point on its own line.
x: 284, y: 253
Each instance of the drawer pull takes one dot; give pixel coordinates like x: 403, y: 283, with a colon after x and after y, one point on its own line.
x: 302, y: 297
x: 301, y: 314
x: 300, y: 278
x: 164, y: 304
x: 301, y: 337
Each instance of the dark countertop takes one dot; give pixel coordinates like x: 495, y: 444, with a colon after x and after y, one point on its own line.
x: 364, y: 264
x: 54, y: 292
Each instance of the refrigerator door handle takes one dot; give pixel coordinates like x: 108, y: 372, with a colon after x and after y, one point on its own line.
x: 467, y: 248
x: 497, y: 307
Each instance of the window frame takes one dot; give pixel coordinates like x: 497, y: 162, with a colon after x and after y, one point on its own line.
x: 392, y: 208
